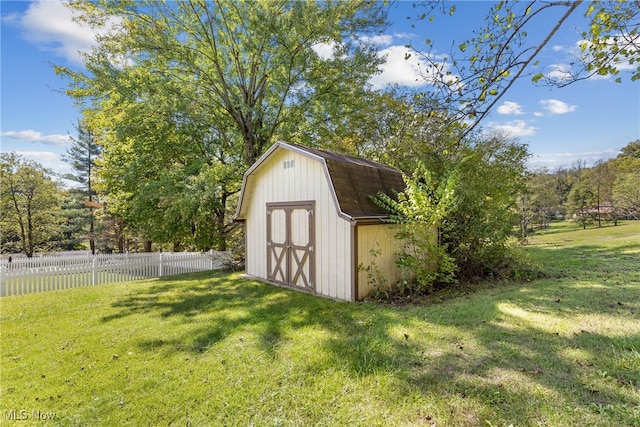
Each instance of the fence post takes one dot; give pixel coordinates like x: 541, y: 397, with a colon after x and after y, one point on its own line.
x: 160, y: 266
x: 94, y: 272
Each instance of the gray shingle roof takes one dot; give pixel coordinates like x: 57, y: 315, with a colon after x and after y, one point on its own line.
x: 353, y: 181
x: 356, y: 180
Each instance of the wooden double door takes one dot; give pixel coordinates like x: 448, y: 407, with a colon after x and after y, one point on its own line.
x: 290, y: 243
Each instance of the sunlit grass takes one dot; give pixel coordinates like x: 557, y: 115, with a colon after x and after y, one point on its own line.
x: 216, y: 349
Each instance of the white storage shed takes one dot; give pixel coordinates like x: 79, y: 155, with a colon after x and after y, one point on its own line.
x: 310, y: 222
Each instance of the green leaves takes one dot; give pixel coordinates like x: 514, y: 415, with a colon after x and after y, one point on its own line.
x: 611, y: 44
x: 420, y: 211
x: 503, y: 50
x: 457, y: 208
x: 190, y: 86
x: 29, y: 200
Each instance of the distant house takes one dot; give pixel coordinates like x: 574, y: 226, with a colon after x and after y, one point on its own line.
x: 310, y: 221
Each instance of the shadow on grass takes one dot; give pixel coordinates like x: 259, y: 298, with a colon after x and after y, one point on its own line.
x: 497, y: 349
x: 220, y: 305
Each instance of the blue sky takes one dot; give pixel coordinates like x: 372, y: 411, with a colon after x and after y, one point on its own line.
x: 588, y: 120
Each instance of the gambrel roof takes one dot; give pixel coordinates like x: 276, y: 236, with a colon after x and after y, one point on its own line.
x: 352, y: 180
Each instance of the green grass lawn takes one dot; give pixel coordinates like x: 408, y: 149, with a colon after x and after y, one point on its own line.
x: 216, y: 349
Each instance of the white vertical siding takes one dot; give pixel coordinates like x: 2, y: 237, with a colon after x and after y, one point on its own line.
x: 303, y: 180
x: 371, y: 240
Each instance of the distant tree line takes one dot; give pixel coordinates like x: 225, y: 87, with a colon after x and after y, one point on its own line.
x: 608, y: 191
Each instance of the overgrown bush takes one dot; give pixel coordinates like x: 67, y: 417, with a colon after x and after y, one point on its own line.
x: 458, y: 213
x: 420, y: 211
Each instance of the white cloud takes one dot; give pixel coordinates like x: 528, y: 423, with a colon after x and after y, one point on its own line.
x: 50, y: 26
x: 514, y: 128
x: 405, y: 67
x: 35, y: 136
x: 399, y: 69
x: 381, y: 40
x: 49, y: 160
x: 509, y: 107
x: 44, y: 157
x: 405, y: 35
x: 554, y: 160
x: 559, y: 73
x: 564, y: 73
x: 555, y: 106
x: 324, y: 50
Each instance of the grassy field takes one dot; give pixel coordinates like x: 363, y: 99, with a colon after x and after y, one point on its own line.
x: 217, y: 349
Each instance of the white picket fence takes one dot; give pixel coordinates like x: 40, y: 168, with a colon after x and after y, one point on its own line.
x: 47, y: 273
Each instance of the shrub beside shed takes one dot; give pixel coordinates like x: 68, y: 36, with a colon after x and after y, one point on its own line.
x: 310, y: 221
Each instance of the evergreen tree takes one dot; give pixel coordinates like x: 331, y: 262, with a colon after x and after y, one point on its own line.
x: 82, y: 157
x: 73, y: 215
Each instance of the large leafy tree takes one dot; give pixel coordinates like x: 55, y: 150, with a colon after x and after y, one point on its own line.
x: 29, y: 199
x: 466, y: 189
x: 626, y: 194
x: 581, y: 202
x: 602, y: 177
x: 179, y: 91
x: 547, y: 195
x: 631, y: 150
x: 626, y: 188
x: 470, y: 197
x: 492, y: 176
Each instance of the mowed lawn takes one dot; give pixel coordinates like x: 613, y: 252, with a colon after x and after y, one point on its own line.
x: 217, y: 349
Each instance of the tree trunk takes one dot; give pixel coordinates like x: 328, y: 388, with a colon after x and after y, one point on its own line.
x: 219, y: 223
x: 598, y: 201
x: 92, y: 240
x: 120, y: 238
x: 30, y: 245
